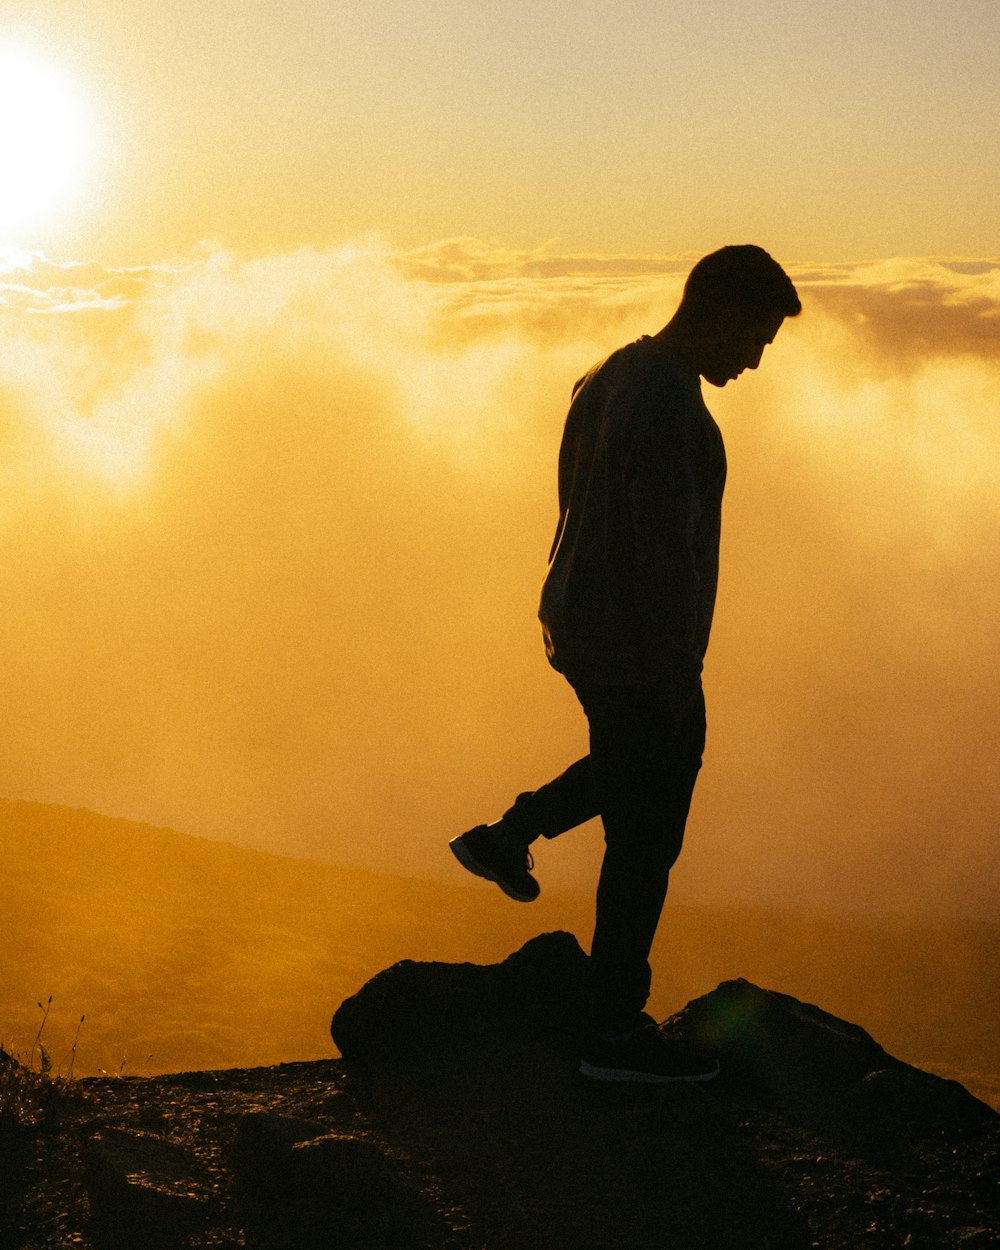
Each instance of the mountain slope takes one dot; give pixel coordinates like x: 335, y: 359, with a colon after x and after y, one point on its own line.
x: 184, y: 953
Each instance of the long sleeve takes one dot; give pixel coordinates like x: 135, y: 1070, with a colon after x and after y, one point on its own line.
x: 673, y: 472
x: 630, y: 590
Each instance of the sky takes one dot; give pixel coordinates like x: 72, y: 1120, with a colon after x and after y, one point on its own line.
x: 288, y: 325
x: 823, y: 132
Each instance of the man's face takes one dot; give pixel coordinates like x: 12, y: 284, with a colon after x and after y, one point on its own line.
x: 738, y: 345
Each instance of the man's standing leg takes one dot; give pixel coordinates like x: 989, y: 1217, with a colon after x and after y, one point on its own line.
x: 645, y: 763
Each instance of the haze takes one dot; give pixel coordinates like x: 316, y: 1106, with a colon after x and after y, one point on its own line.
x: 182, y: 952
x: 274, y: 530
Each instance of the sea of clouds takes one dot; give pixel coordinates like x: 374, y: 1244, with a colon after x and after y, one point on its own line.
x: 274, y: 530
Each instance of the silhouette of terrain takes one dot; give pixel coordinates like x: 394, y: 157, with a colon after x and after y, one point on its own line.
x: 457, y: 1120
x: 184, y: 953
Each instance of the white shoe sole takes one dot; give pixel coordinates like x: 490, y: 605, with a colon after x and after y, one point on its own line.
x: 641, y: 1078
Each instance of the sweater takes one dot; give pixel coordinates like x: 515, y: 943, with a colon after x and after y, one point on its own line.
x: 630, y: 590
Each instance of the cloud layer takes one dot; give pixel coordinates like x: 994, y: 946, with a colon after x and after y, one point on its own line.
x: 275, y: 530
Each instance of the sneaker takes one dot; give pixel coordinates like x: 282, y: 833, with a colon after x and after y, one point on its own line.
x: 644, y: 1054
x: 488, y: 854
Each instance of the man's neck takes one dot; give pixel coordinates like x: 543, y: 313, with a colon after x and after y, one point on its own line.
x: 677, y: 342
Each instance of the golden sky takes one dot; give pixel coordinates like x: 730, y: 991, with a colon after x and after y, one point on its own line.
x: 823, y: 132
x: 288, y: 324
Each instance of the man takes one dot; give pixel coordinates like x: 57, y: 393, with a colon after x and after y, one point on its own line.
x: 626, y: 610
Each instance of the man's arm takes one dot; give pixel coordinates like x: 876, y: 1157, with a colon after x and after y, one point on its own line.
x: 664, y: 488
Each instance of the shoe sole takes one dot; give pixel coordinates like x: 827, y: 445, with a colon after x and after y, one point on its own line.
x: 643, y: 1078
x: 469, y: 862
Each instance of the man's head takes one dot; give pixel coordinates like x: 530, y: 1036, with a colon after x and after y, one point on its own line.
x: 733, y: 305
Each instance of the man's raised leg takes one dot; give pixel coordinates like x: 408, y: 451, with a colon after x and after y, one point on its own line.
x: 499, y: 852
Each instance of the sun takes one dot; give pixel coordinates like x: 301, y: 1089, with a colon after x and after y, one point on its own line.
x: 44, y: 140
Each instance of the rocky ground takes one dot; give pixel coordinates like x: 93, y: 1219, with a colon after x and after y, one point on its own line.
x: 457, y: 1121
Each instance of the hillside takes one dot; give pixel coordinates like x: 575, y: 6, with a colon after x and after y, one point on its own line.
x: 457, y: 1119
x: 187, y: 954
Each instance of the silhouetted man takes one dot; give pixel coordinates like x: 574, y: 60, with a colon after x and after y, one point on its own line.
x: 626, y: 610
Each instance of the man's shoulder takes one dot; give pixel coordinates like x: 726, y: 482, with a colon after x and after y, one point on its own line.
x: 644, y: 387
x: 636, y: 366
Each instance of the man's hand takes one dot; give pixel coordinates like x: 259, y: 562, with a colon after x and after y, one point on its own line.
x: 684, y: 698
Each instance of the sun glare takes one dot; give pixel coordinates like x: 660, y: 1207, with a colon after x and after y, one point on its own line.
x: 43, y: 140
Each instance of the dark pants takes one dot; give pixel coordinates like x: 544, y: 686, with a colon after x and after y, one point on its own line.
x: 639, y: 778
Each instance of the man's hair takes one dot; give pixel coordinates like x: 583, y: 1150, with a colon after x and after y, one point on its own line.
x: 743, y: 277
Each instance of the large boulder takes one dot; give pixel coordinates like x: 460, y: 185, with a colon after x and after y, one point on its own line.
x: 415, y: 1013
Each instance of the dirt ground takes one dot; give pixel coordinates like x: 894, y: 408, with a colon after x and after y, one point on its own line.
x: 524, y: 1154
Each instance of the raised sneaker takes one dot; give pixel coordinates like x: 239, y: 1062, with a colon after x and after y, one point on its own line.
x: 486, y: 852
x: 643, y: 1054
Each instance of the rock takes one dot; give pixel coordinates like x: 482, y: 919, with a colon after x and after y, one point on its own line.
x: 262, y: 1134
x: 925, y: 1099
x: 775, y: 1038
x: 445, y: 1021
x: 300, y: 1186
x: 764, y: 1034
x: 977, y: 1238
x: 143, y: 1190
x: 414, y: 1013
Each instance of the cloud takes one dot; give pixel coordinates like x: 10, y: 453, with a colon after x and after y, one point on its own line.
x: 910, y: 312
x: 472, y: 260
x: 33, y: 283
x: 275, y: 529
